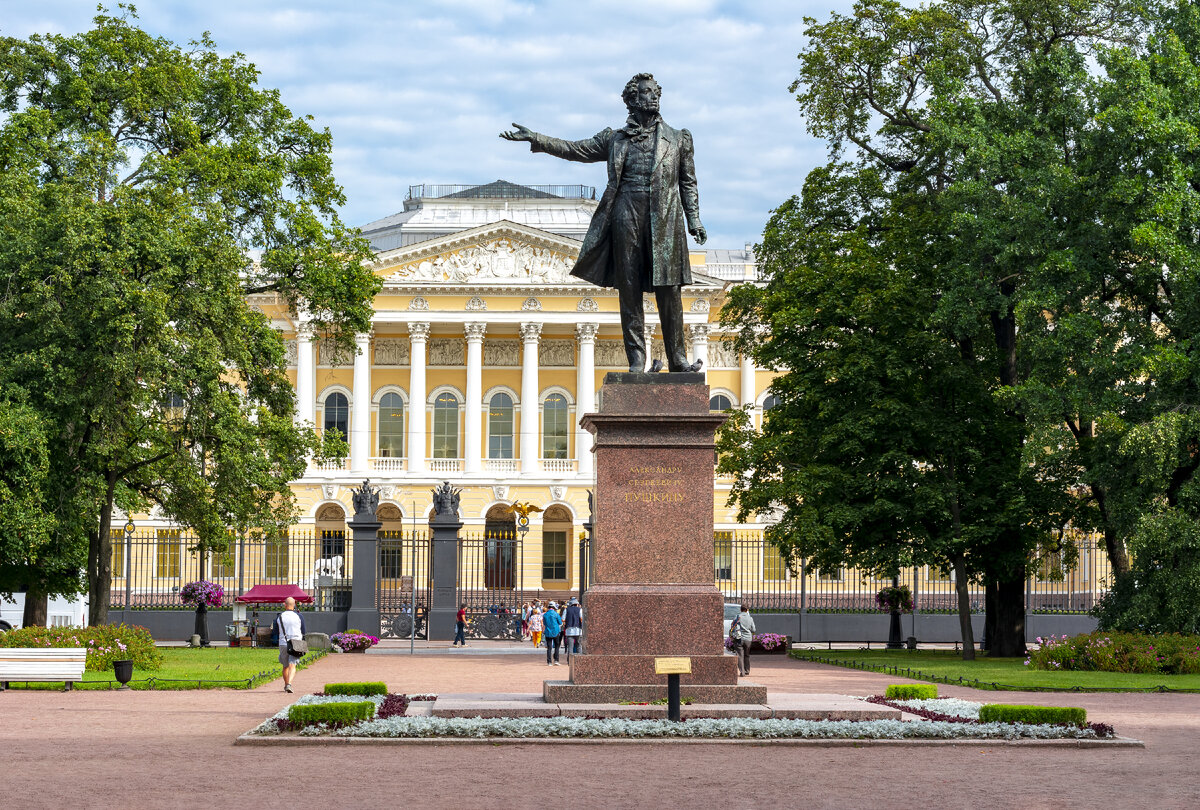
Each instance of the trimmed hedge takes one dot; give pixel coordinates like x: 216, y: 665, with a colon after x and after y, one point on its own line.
x: 911, y: 691
x: 366, y: 688
x: 1033, y: 715
x: 334, y: 714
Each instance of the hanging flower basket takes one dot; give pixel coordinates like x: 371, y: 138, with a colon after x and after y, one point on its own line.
x: 897, y: 599
x: 202, y: 593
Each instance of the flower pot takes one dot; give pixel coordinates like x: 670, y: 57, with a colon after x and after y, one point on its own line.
x: 123, y: 670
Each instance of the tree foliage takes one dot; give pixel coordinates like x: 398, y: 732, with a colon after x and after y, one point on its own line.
x: 147, y: 190
x: 1027, y: 174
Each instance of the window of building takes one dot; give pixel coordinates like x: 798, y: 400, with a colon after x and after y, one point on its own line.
x: 221, y: 562
x: 445, y: 426
x: 723, y: 554
x: 166, y: 555
x: 391, y: 542
x: 500, y: 548
x: 774, y: 568
x: 720, y: 402
x: 275, y: 558
x: 391, y: 426
x: 554, y: 427
x: 118, y: 552
x: 554, y: 555
x: 337, y: 414
x: 770, y: 402
x: 500, y: 426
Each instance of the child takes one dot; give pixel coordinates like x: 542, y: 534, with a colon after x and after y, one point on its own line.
x: 535, y: 624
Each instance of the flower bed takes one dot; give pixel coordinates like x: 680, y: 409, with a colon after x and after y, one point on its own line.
x: 950, y: 719
x: 353, y: 640
x: 1167, y: 653
x: 766, y: 643
x: 105, y: 643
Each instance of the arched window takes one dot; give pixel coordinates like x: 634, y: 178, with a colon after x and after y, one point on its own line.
x: 554, y: 427
x: 445, y: 426
x: 500, y: 426
x: 720, y: 402
x: 391, y: 426
x: 337, y: 414
x: 500, y: 548
x: 770, y: 402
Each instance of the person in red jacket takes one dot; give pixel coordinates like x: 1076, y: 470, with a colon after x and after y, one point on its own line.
x: 460, y: 626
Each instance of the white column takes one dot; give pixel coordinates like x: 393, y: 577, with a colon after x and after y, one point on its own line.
x: 530, y: 457
x: 698, y: 332
x: 747, y: 393
x: 360, y: 419
x: 418, y: 334
x: 648, y: 331
x: 585, y: 393
x: 306, y: 394
x: 473, y: 452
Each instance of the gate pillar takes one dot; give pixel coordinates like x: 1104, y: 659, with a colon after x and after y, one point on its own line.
x: 444, y: 526
x: 364, y: 534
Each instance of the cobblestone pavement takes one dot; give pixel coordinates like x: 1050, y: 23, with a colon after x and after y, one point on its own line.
x: 175, y: 749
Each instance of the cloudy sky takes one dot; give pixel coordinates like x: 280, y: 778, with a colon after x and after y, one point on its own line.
x: 417, y: 92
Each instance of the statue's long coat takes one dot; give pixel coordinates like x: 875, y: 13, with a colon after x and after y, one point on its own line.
x: 674, y: 203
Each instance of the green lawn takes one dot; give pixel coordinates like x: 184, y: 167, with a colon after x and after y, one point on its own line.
x: 198, y: 668
x: 993, y: 673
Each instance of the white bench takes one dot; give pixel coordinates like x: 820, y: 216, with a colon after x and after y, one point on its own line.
x: 64, y: 664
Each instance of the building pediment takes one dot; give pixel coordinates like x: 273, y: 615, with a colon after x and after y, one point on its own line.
x: 500, y: 253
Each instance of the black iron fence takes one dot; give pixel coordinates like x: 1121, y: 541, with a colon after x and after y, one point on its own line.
x: 750, y: 571
x: 150, y: 567
x: 491, y: 576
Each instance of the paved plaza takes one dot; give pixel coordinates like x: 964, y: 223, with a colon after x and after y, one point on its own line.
x: 176, y: 749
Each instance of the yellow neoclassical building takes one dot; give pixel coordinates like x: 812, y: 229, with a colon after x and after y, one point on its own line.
x: 483, y: 355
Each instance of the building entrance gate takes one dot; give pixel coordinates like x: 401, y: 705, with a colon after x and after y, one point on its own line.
x: 404, y: 579
x: 490, y: 584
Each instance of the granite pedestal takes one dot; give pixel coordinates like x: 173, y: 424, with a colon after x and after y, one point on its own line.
x: 652, y: 593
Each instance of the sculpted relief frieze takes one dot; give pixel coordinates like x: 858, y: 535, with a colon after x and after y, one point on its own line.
x: 502, y: 353
x: 391, y: 352
x: 502, y: 260
x: 556, y: 353
x: 446, y: 351
x: 610, y: 354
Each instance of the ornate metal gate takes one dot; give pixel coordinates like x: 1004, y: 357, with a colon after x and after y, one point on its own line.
x: 490, y: 579
x: 403, y: 580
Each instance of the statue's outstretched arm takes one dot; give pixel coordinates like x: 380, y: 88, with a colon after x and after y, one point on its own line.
x: 589, y: 150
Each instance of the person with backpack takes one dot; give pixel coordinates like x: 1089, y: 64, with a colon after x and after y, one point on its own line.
x: 553, y: 622
x: 573, y: 627
x: 741, y: 632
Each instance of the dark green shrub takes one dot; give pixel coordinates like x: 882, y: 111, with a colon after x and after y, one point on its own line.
x: 105, y: 643
x: 911, y: 691
x: 365, y: 688
x: 1034, y: 715
x: 334, y: 714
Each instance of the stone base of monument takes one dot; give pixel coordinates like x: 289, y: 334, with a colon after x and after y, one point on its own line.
x: 652, y: 592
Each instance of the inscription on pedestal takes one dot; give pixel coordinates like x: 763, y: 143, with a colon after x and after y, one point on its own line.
x: 654, y: 485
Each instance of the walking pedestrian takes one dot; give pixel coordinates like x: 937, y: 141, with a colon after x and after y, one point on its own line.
x: 524, y: 621
x: 289, y: 624
x: 553, y: 622
x: 460, y: 626
x: 742, y: 633
x: 573, y: 624
x: 535, y: 624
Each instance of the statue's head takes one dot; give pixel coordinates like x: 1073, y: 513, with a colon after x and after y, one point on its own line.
x: 642, y: 93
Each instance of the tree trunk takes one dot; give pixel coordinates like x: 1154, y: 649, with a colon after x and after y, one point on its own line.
x: 99, y: 569
x: 1118, y: 557
x: 1007, y: 637
x: 37, y: 605
x: 964, y: 611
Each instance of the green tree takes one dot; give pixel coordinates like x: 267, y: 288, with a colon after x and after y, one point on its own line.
x: 1009, y: 140
x: 147, y: 191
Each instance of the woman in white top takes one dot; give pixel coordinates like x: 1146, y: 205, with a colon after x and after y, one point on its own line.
x: 289, y: 625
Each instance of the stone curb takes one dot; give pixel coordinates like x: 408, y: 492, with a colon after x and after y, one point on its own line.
x: 296, y: 741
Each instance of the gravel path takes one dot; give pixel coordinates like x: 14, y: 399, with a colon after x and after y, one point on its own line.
x: 175, y: 749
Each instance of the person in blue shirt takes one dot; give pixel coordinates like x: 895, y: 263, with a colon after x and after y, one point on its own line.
x: 553, y: 621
